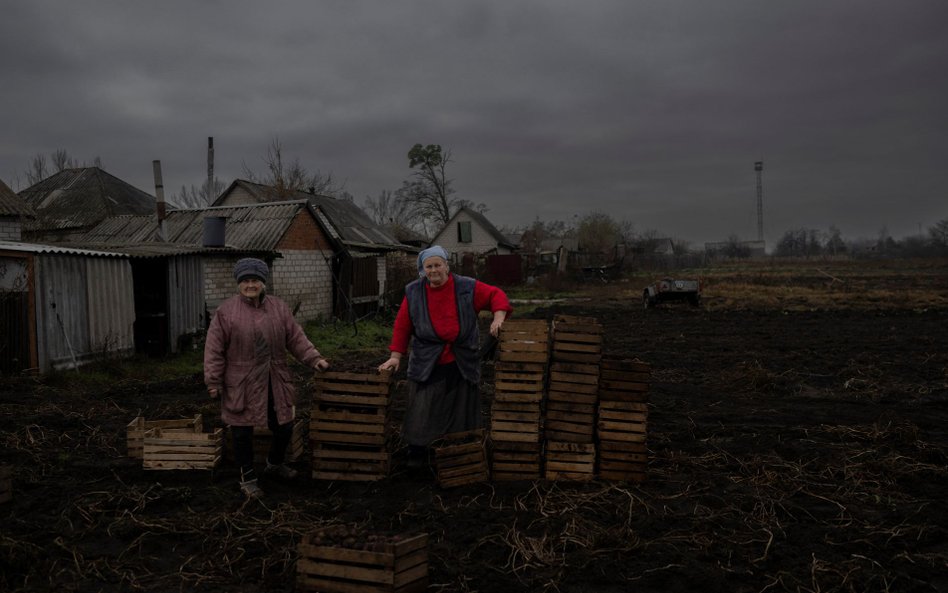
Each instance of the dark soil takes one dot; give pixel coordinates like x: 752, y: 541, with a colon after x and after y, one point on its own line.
x: 790, y: 451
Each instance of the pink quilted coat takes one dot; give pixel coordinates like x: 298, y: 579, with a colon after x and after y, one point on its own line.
x: 246, y: 346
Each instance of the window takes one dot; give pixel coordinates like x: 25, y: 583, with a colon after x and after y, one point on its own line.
x: 464, y: 231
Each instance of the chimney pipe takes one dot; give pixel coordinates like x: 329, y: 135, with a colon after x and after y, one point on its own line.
x: 159, y: 189
x: 160, y: 195
x: 210, y: 170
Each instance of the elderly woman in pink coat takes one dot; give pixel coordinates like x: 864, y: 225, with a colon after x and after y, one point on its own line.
x: 245, y: 365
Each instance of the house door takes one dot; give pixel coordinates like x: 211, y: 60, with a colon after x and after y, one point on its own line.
x: 358, y: 287
x: 150, y: 277
x: 14, y: 315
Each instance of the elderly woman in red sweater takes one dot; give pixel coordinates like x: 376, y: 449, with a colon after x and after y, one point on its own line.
x: 438, y: 316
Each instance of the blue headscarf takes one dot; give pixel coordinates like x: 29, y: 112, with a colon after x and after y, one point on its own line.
x: 433, y: 251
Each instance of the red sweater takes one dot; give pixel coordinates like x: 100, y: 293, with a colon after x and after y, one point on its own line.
x: 443, y: 309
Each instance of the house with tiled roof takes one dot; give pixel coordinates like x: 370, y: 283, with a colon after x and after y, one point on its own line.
x: 363, y: 251
x: 69, y: 203
x: 204, y: 243
x: 13, y: 211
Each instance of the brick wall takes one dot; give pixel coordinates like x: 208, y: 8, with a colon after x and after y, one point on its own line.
x: 10, y: 229
x: 304, y: 233
x: 303, y: 277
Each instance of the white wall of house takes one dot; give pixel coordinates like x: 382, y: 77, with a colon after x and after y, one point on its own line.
x: 10, y: 229
x: 481, y: 239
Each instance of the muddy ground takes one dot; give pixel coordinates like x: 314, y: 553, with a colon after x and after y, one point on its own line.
x: 790, y: 451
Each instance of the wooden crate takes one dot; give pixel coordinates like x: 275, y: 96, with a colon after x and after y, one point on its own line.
x: 135, y: 430
x: 349, y: 426
x: 622, y: 432
x: 622, y: 462
x: 623, y: 379
x: 350, y: 463
x: 172, y: 449
x: 461, y: 459
x: 524, y: 341
x: 515, y: 460
x: 399, y: 565
x: 570, y: 422
x: 576, y: 340
x: 6, y: 483
x: 570, y: 461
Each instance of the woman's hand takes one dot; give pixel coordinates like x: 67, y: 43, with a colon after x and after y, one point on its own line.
x: 497, y: 322
x: 322, y: 364
x: 392, y: 363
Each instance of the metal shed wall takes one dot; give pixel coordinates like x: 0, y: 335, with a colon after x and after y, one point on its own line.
x: 185, y: 297
x: 85, y: 308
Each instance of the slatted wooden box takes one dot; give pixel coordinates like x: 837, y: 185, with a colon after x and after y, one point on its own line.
x: 135, y: 431
x: 524, y: 340
x: 395, y: 566
x: 623, y: 379
x: 175, y: 449
x: 6, y: 483
x: 349, y: 426
x: 577, y: 339
x: 511, y: 461
x: 623, y: 430
x: 461, y: 459
x: 570, y: 461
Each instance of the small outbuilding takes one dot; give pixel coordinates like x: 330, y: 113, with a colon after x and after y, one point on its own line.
x: 62, y: 307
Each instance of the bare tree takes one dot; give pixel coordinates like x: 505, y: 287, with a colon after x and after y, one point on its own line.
x: 389, y: 208
x: 430, y: 192
x: 62, y: 160
x: 197, y: 197
x: 288, y: 177
x: 39, y: 167
x: 37, y: 170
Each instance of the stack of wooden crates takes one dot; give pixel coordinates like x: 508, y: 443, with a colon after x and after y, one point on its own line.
x: 349, y: 426
x: 519, y: 377
x: 623, y: 419
x: 572, y: 398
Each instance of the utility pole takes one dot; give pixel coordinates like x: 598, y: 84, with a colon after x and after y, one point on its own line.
x: 759, y: 167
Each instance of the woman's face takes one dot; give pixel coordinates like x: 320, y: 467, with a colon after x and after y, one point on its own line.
x: 436, y: 270
x: 250, y: 287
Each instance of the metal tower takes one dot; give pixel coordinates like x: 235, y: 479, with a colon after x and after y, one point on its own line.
x: 759, y: 167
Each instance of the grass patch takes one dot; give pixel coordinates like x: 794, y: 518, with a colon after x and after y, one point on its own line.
x: 335, y: 338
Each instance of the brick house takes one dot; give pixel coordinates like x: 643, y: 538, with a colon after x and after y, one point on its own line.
x: 359, y: 269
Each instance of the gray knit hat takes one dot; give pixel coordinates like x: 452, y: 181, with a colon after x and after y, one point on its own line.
x: 251, y: 266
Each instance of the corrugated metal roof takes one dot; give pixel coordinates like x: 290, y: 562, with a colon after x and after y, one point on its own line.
x: 77, y: 198
x: 11, y: 204
x: 347, y: 222
x: 57, y: 249
x: 253, y: 227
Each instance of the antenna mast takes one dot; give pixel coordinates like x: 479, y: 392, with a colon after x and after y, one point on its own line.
x: 759, y: 167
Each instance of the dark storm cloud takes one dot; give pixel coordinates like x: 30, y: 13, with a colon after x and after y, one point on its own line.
x: 651, y: 111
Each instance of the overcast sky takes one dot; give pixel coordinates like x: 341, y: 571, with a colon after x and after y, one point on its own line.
x: 651, y: 111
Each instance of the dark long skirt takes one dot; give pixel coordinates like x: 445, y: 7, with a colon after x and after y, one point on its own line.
x: 445, y: 403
